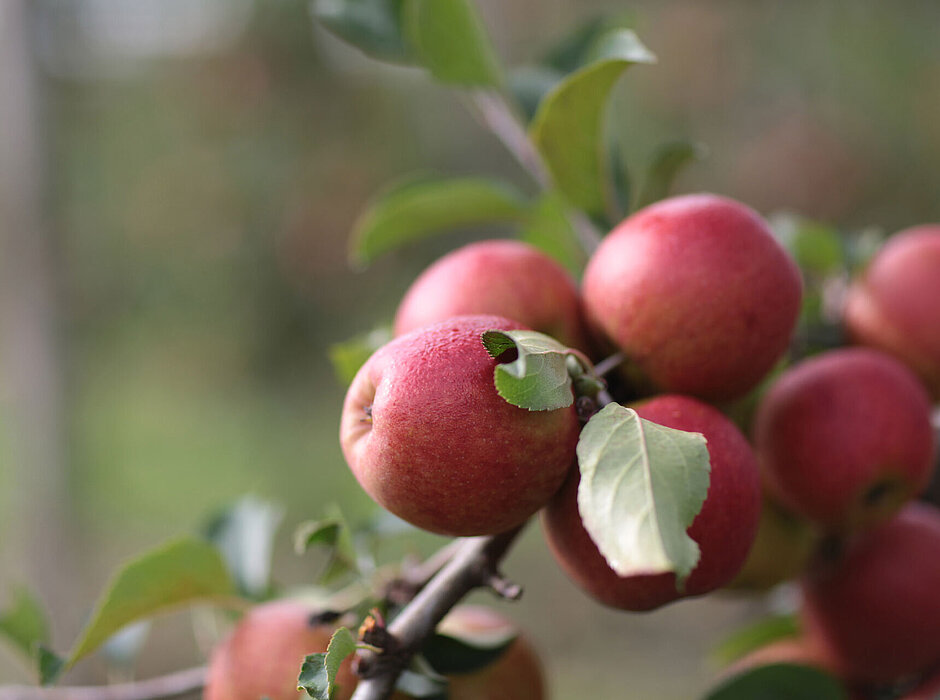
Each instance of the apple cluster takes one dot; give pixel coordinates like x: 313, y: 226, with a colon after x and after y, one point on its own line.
x: 701, y: 301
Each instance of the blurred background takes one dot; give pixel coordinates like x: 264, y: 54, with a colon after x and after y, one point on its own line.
x: 177, y: 182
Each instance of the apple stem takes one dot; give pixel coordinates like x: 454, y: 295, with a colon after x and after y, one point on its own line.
x: 473, y: 565
x: 499, y: 116
x: 173, y: 685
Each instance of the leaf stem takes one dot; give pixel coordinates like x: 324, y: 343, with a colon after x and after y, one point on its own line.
x: 608, y: 363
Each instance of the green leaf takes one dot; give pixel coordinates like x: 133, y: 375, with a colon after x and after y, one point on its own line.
x: 318, y: 672
x: 816, y: 247
x: 449, y: 653
x: 529, y: 84
x: 50, y: 665
x: 372, y: 26
x: 244, y: 533
x: 24, y: 623
x: 780, y: 682
x: 550, y: 230
x: 568, y: 127
x: 667, y: 162
x: 347, y: 357
x: 180, y: 573
x: 573, y: 50
x: 418, y: 209
x: 334, y: 535
x: 538, y: 378
x: 754, y: 636
x: 124, y: 646
x: 620, y: 184
x: 642, y: 485
x: 451, y: 41
x: 421, y: 680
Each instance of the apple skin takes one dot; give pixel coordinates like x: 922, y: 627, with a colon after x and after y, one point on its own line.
x: 442, y: 449
x: 928, y: 690
x: 516, y: 675
x: 895, y: 305
x: 876, y: 608
x: 697, y: 293
x: 844, y: 438
x: 501, y: 277
x: 263, y: 655
x: 724, y: 529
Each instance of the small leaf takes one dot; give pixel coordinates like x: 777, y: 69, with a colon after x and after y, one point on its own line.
x: 449, y: 653
x: 780, y: 682
x: 816, y: 247
x: 124, y: 646
x: 182, y: 572
x: 347, y: 357
x: 372, y: 26
x: 575, y: 49
x: 50, y: 665
x: 667, y: 162
x: 418, y: 209
x: 318, y: 672
x: 24, y: 623
x: 755, y: 636
x: 421, y: 680
x: 642, y: 485
x: 549, y: 229
x: 335, y: 536
x: 529, y: 85
x: 568, y: 127
x: 451, y: 41
x: 244, y: 533
x: 538, y: 378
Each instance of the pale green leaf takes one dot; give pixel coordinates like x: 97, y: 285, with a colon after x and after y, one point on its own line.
x: 244, y: 533
x: 420, y: 208
x: 334, y: 535
x: 549, y: 229
x: 642, y: 484
x: 450, y: 40
x: 568, y: 126
x: 780, y: 682
x: 666, y: 164
x: 24, y: 622
x: 756, y: 635
x: 348, y: 356
x: 538, y: 378
x: 180, y: 573
x: 372, y: 26
x: 318, y: 671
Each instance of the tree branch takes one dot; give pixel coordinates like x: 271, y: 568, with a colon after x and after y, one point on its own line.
x: 473, y: 565
x: 173, y: 685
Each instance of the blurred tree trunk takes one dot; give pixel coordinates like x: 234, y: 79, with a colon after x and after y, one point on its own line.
x: 36, y: 533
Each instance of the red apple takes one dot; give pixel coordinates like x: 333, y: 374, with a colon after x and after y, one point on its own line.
x: 928, y: 690
x: 724, y: 528
x: 876, y: 608
x: 895, y: 305
x: 502, y: 277
x: 844, y: 438
x: 263, y: 655
x: 697, y: 293
x: 428, y: 437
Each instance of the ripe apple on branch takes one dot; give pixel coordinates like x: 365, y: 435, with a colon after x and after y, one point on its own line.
x: 643, y: 389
